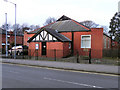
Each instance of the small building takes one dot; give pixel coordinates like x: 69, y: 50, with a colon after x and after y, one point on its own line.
x: 49, y: 42
x: 67, y: 37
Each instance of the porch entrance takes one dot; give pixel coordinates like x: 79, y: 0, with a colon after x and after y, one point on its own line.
x: 43, y: 48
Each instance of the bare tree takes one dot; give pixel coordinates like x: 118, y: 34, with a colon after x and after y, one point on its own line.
x: 24, y: 25
x: 17, y: 28
x: 92, y: 24
x: 89, y: 24
x: 32, y: 27
x: 49, y: 20
x: 8, y: 26
x: 105, y: 29
x: 37, y: 26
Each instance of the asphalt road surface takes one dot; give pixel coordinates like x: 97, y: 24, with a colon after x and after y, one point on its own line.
x: 14, y: 76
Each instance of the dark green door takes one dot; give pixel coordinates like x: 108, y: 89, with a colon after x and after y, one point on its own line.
x: 43, y: 48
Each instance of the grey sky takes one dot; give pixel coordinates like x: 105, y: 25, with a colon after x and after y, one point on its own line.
x: 37, y: 11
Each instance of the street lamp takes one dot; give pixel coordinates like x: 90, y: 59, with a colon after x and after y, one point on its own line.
x: 6, y: 35
x: 15, y: 26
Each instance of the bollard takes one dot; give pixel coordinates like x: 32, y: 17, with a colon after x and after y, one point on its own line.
x: 55, y: 54
x: 90, y: 56
x: 37, y: 54
x: 78, y: 57
x: 29, y: 54
x: 23, y: 53
x: 11, y: 53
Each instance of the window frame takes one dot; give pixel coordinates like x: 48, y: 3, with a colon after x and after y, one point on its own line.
x: 82, y: 39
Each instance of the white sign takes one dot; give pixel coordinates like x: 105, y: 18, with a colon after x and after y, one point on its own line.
x: 36, y: 46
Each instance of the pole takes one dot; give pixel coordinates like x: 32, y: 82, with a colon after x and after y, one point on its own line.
x: 6, y: 35
x: 55, y: 54
x: 15, y: 26
x: 15, y: 33
x: 77, y: 57
x: 90, y: 56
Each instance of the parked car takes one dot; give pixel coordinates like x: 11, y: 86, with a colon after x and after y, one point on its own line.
x: 20, y: 50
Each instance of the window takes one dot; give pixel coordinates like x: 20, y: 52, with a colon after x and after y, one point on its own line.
x: 69, y: 45
x: 105, y: 42
x: 85, y: 41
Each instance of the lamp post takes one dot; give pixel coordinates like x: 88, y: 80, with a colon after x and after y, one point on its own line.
x: 15, y: 27
x: 6, y: 35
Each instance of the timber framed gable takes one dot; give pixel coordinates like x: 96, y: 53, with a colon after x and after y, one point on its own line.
x: 48, y: 35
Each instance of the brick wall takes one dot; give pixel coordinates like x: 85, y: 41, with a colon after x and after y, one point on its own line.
x: 26, y: 37
x: 53, y: 48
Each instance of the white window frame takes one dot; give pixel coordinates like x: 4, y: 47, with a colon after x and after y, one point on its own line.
x: 81, y: 41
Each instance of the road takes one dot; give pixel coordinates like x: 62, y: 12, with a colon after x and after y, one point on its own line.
x: 16, y: 76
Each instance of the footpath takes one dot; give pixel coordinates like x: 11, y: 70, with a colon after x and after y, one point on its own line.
x: 106, y: 69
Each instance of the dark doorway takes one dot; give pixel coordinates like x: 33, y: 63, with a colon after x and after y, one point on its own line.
x: 43, y: 48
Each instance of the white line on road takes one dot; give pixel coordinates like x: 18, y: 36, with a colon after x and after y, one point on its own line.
x: 72, y: 82
x: 13, y: 72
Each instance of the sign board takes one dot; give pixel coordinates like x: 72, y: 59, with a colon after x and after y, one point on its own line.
x: 37, y: 46
x: 85, y: 49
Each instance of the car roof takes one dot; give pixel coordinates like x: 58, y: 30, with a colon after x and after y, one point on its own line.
x: 17, y: 47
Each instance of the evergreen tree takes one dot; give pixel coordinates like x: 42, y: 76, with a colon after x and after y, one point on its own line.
x: 115, y: 27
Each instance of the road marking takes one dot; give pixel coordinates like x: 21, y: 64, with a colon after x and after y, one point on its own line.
x: 13, y: 72
x: 72, y: 82
x: 43, y: 67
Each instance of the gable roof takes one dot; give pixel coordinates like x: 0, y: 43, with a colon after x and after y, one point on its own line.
x: 65, y: 24
x: 64, y: 18
x: 54, y: 33
x: 36, y: 30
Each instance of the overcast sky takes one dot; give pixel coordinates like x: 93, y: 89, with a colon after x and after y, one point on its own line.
x: 37, y: 11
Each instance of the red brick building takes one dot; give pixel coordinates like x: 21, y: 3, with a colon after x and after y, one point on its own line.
x: 67, y: 36
x: 108, y: 44
x: 11, y: 39
x: 47, y: 41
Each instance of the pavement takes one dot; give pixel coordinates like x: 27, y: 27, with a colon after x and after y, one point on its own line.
x: 106, y: 69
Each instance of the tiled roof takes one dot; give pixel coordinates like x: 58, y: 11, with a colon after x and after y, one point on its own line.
x: 54, y: 33
x: 57, y: 35
x: 65, y: 24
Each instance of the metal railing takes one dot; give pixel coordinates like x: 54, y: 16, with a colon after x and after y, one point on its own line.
x: 110, y: 57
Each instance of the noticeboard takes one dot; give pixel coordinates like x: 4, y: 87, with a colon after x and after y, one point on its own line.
x: 37, y: 46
